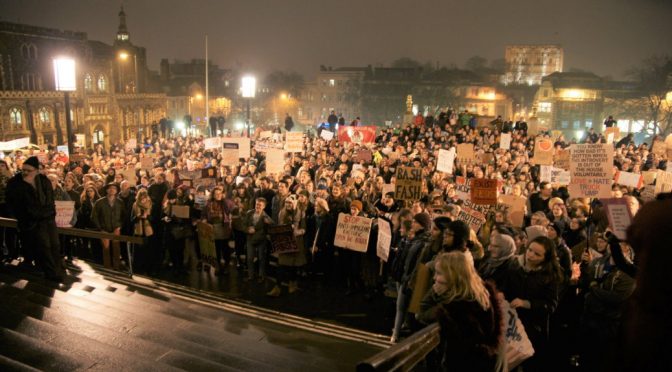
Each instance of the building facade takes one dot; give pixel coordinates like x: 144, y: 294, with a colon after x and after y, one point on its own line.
x: 528, y: 64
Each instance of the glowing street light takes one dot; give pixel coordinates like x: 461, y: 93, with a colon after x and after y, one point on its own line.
x: 248, y: 90
x: 65, y: 78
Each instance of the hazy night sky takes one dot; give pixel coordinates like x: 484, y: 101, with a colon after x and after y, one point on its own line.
x: 603, y: 36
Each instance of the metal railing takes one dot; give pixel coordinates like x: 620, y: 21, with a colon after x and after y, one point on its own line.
x: 406, y: 354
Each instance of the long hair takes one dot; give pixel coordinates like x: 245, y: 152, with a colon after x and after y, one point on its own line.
x: 464, y: 284
x: 551, y: 264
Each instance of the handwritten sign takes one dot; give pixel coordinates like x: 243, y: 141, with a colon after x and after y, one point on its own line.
x: 561, y: 159
x: 243, y: 145
x: 619, y: 216
x: 230, y: 154
x: 560, y: 177
x: 465, y: 152
x: 294, y: 142
x: 545, y: 173
x: 352, y: 232
x: 543, y: 152
x: 212, y: 143
x: 384, y: 240
x: 591, y: 170
x: 505, y: 141
x: 446, y: 160
x: 409, y: 183
x: 472, y: 217
x: 515, y: 210
x: 65, y: 211
x: 282, y: 239
x: 275, y: 161
x: 663, y: 182
x: 327, y: 135
x: 629, y: 179
x: 484, y: 191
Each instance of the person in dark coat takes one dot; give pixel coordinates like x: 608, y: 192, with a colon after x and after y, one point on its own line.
x: 108, y: 216
x: 30, y: 197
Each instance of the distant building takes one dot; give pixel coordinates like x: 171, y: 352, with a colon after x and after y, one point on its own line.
x: 528, y: 64
x: 336, y: 90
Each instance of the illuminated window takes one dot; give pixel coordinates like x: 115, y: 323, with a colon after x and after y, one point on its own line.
x: 102, y: 83
x: 545, y: 107
x: 589, y: 123
x: 332, y: 82
x: 15, y: 118
x: 88, y: 83
x: 564, y: 124
x: 576, y: 124
x: 44, y: 117
x: 624, y: 125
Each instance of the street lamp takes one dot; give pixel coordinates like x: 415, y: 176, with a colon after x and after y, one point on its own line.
x: 248, y: 89
x: 124, y: 56
x: 66, y: 82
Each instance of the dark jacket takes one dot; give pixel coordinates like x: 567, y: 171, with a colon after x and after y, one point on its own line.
x: 260, y: 228
x: 31, y: 205
x: 108, y: 217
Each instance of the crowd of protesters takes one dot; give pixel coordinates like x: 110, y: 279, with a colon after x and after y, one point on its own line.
x: 555, y: 268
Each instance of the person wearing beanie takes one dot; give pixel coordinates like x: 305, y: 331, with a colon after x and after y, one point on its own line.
x: 30, y: 197
x: 108, y: 215
x: 356, y: 204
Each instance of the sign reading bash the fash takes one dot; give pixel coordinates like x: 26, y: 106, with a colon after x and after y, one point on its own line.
x: 591, y: 170
x: 352, y: 232
x: 409, y: 183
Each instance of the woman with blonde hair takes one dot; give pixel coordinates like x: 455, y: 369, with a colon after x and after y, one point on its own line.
x: 142, y: 209
x: 468, y: 310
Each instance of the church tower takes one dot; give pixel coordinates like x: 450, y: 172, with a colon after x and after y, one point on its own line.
x: 123, y: 37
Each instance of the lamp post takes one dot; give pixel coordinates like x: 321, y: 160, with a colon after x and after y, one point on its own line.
x: 66, y: 82
x: 248, y: 90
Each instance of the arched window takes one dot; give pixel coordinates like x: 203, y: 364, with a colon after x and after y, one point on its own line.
x: 16, y: 118
x: 102, y: 83
x: 29, y: 51
x: 88, y: 83
x: 44, y: 117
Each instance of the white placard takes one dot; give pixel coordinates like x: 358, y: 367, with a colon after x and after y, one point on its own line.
x: 619, y: 216
x: 212, y: 143
x: 629, y: 179
x: 352, y: 232
x: 384, y: 239
x: 275, y: 161
x: 505, y: 141
x: 327, y: 135
x: 294, y: 142
x: 446, y: 160
x: 243, y: 145
x: 15, y: 144
x: 545, y: 173
x: 65, y: 211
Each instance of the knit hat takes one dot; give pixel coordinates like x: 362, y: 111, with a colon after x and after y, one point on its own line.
x: 33, y: 161
x: 172, y: 194
x: 442, y: 222
x: 424, y: 220
x: 357, y: 204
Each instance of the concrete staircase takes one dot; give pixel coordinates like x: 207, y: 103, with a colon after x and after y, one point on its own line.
x: 101, y: 320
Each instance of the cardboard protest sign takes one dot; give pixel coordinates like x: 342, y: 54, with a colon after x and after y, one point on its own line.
x: 505, y: 141
x: 357, y: 135
x: 619, y: 216
x: 147, y: 163
x: 282, y: 239
x: 352, y: 232
x: 327, y: 135
x: 77, y: 157
x: 484, y: 191
x: 486, y: 157
x: 129, y: 175
x: 387, y: 188
x: 465, y: 152
x: 131, y: 144
x: 472, y: 217
x: 230, y: 154
x: 648, y: 193
x: 180, y: 211
x: 408, y: 185
x: 591, y: 169
x: 543, y: 152
x: 649, y: 177
x: 65, y: 211
x: 209, y: 172
x: 659, y: 148
x: 561, y: 159
x: 212, y: 143
x: 294, y: 142
x: 384, y: 239
x: 663, y: 182
x: 545, y: 173
x: 629, y: 179
x: 515, y: 208
x: 243, y: 145
x: 446, y: 160
x: 275, y: 161
x: 364, y: 154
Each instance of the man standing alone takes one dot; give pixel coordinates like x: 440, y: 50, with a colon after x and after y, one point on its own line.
x: 108, y: 215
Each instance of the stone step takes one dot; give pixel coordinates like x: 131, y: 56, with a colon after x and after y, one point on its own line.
x: 11, y: 365
x: 38, y: 354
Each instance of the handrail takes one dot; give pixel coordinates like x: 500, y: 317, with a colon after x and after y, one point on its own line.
x: 404, y: 355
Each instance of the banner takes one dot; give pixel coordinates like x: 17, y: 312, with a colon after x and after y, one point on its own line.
x: 327, y: 135
x: 446, y: 160
x: 484, y: 191
x: 275, y: 161
x: 65, y: 211
x: 294, y: 142
x: 505, y: 141
x: 543, y: 152
x: 408, y: 185
x: 465, y: 152
x: 352, y: 232
x: 212, y: 143
x: 358, y: 135
x: 629, y: 179
x: 282, y: 239
x: 243, y: 145
x: 619, y: 216
x: 384, y: 239
x: 592, y: 170
x: 15, y: 144
x: 230, y: 154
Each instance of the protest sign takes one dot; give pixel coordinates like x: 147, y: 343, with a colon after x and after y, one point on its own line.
x: 384, y: 239
x: 147, y: 163
x: 560, y: 177
x: 409, y: 183
x: 209, y: 172
x: 484, y: 191
x: 131, y: 144
x: 659, y: 148
x: 64, y: 150
x: 15, y: 144
x: 545, y: 173
x: 327, y: 135
x: 610, y: 138
x: 629, y: 179
x: 543, y: 152
x: 591, y: 170
x: 129, y: 175
x: 282, y: 239
x: 465, y: 152
x: 387, y: 188
x: 275, y: 161
x: 486, y: 157
x: 615, y: 131
x: 515, y: 208
x: 352, y: 232
x: 77, y: 157
x: 472, y: 217
x: 243, y: 145
x: 663, y: 182
x: 446, y: 160
x: 180, y: 211
x: 187, y: 182
x: 505, y: 141
x: 265, y: 134
x: 65, y: 211
x: 230, y: 154
x: 212, y: 143
x: 561, y: 159
x: 619, y: 216
x: 357, y: 135
x: 649, y: 177
x: 294, y: 142
x: 364, y: 155
x: 42, y: 157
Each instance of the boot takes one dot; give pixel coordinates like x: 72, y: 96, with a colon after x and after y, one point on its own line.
x: 275, y: 292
